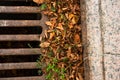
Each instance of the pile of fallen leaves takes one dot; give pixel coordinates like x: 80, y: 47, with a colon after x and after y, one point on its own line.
x: 61, y: 47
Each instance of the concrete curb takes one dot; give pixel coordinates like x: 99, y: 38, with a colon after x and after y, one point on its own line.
x: 101, y: 39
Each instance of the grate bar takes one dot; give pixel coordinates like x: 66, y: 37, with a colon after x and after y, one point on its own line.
x: 19, y: 9
x: 25, y: 78
x: 22, y: 65
x: 21, y: 23
x: 18, y: 0
x: 19, y: 37
x: 25, y: 51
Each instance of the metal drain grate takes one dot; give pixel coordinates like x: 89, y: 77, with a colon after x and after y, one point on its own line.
x: 21, y: 23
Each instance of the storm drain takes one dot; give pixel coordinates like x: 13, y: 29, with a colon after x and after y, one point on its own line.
x: 21, y: 25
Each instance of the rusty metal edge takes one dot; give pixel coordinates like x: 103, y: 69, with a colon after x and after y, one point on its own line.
x: 22, y: 65
x: 21, y: 23
x: 17, y: 0
x: 19, y: 9
x: 25, y: 51
x: 27, y: 37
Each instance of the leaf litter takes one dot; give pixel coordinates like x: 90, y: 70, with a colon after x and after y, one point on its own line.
x: 62, y: 46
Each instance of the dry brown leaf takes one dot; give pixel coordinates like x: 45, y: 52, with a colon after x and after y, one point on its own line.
x: 78, y: 27
x: 39, y: 1
x: 48, y: 23
x: 71, y: 76
x: 66, y: 14
x: 77, y: 78
x: 79, y: 45
x: 60, y: 26
x: 63, y: 34
x: 70, y: 16
x: 45, y: 32
x: 69, y: 52
x: 64, y: 9
x: 74, y: 19
x: 44, y: 44
x: 76, y: 38
x: 70, y: 25
x: 54, y: 4
x: 80, y: 76
x: 52, y: 34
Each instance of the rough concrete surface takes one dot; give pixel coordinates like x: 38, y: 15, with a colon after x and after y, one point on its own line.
x: 101, y: 21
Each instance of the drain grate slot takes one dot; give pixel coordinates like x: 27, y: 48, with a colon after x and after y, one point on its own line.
x: 21, y: 25
x: 17, y: 3
x: 18, y: 73
x: 18, y: 58
x: 21, y: 30
x: 18, y: 44
x: 18, y: 16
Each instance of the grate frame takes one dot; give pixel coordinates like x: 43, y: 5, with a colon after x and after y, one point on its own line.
x: 21, y: 37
